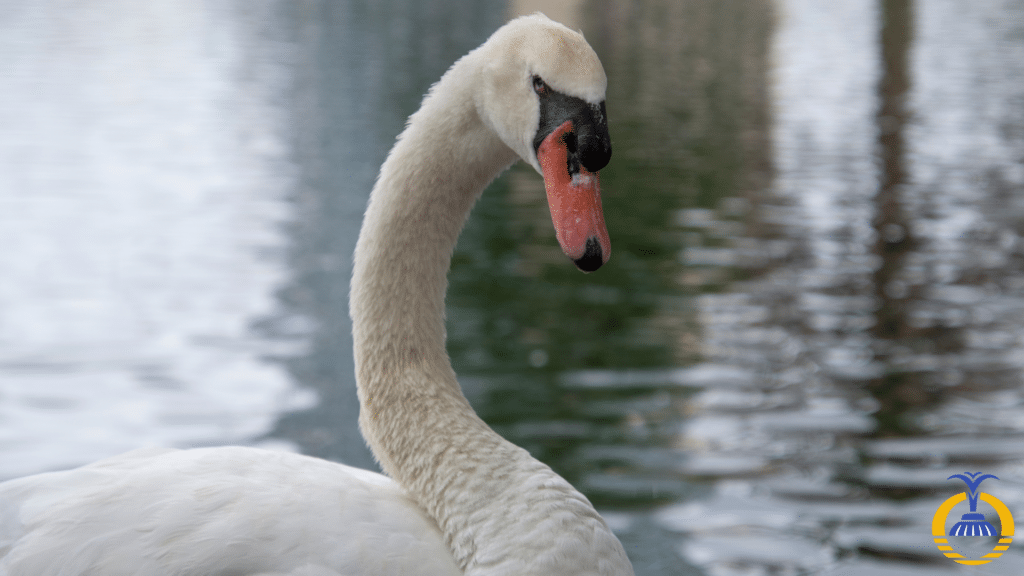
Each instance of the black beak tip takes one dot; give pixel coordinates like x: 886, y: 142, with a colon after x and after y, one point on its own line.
x: 592, y: 258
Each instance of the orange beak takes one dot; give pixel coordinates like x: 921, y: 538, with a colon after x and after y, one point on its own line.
x: 575, y: 202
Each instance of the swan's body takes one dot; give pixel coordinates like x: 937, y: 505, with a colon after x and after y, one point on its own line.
x: 463, y: 499
x: 228, y: 510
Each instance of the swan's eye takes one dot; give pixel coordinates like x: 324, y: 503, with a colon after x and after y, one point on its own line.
x: 539, y: 86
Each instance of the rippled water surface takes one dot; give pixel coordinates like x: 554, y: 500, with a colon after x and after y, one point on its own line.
x: 811, y: 318
x: 144, y: 172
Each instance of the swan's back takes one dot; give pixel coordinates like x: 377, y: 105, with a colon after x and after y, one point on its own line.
x: 232, y: 510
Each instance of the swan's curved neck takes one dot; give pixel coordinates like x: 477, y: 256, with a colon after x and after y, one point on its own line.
x: 412, y: 411
x: 426, y: 188
x: 494, y: 503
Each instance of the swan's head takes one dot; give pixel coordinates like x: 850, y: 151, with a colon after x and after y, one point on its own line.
x: 543, y: 91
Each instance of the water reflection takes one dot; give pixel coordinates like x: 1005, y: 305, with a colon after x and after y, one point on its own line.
x: 852, y: 299
x: 143, y: 172
x: 793, y: 230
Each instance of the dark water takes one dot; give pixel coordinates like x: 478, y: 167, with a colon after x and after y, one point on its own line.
x: 811, y: 317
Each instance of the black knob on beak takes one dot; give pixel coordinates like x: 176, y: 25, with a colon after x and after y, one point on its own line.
x: 593, y: 144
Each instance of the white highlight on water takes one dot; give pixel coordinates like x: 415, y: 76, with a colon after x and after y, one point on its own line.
x: 143, y: 170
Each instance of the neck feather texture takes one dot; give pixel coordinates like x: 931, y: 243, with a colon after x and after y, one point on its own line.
x: 488, y: 496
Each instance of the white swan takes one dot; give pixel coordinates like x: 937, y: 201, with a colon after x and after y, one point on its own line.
x: 462, y: 500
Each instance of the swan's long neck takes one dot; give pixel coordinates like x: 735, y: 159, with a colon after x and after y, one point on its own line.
x: 426, y: 188
x: 413, y: 414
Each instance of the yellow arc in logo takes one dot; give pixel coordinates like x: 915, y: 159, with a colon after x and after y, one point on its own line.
x: 939, y: 528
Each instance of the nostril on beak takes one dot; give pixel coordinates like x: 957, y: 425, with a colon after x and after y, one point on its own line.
x: 571, y: 142
x: 572, y: 156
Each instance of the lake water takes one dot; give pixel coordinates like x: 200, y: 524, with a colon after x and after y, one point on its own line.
x: 811, y: 319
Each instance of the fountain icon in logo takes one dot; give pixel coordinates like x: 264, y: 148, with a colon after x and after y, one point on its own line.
x: 972, y: 523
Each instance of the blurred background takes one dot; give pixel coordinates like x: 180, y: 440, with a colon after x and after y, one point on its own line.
x: 813, y: 315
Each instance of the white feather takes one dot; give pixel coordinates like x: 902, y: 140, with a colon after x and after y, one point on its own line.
x: 228, y: 510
